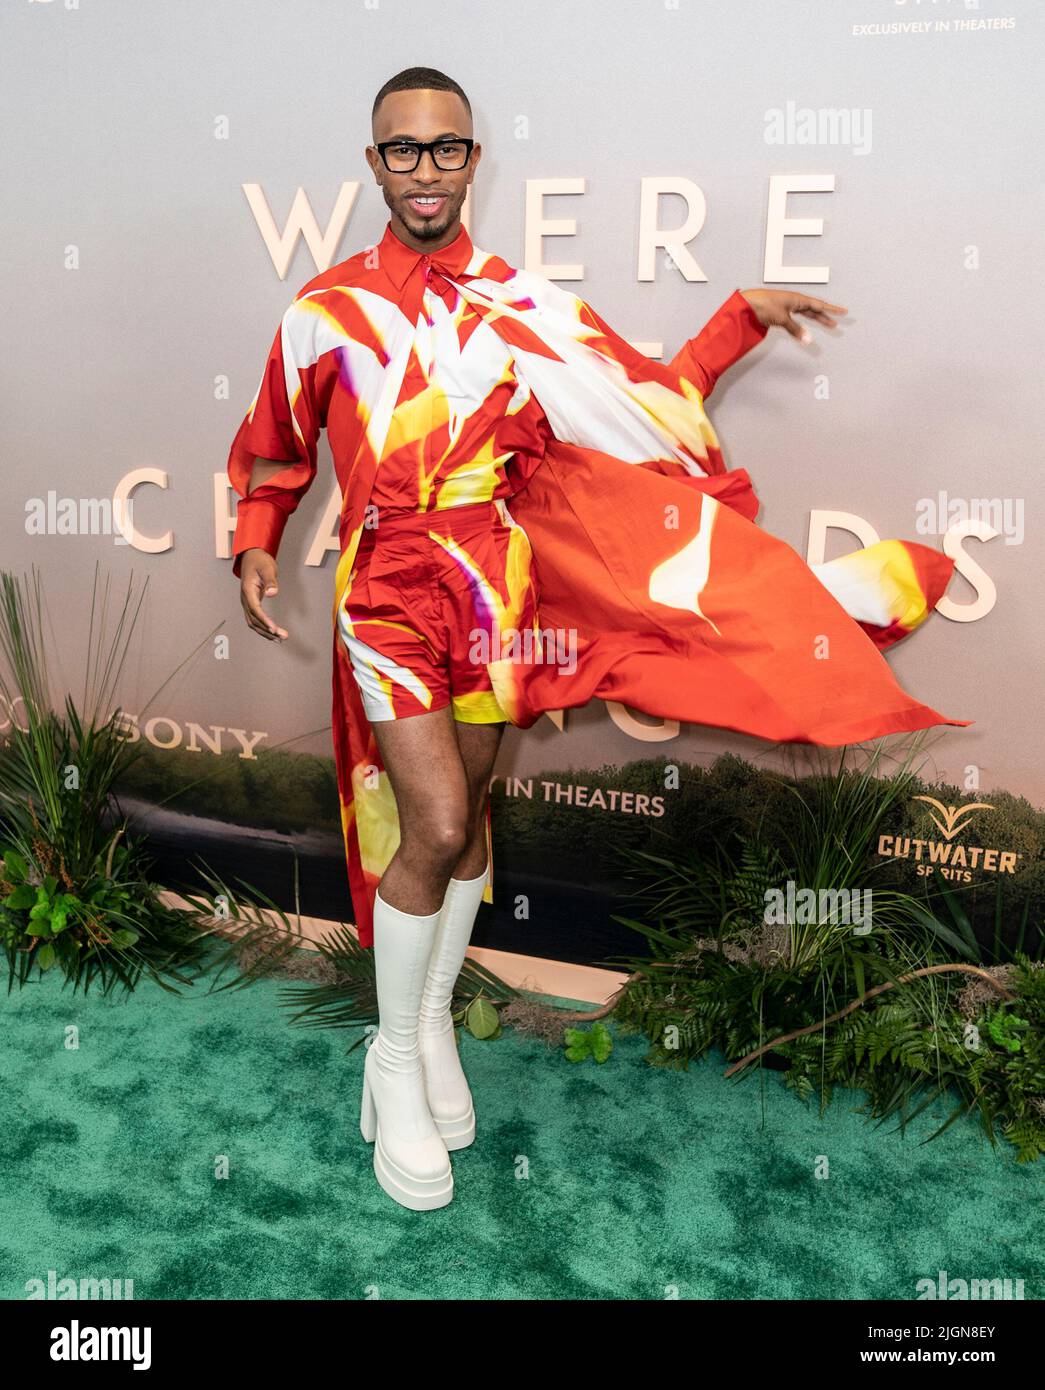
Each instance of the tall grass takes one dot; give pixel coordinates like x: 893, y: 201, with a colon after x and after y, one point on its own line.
x: 75, y: 890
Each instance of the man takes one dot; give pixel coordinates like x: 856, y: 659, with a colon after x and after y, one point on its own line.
x: 450, y: 383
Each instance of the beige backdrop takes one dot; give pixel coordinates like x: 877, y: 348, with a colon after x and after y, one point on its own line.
x: 174, y: 173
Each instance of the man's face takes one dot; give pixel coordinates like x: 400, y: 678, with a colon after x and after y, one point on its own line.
x: 423, y: 116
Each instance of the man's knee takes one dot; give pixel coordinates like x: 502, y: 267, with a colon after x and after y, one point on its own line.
x: 442, y: 838
x: 450, y: 836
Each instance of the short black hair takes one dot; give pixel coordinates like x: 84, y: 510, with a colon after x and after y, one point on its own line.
x: 420, y: 80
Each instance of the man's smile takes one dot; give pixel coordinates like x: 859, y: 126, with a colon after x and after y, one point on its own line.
x: 427, y: 204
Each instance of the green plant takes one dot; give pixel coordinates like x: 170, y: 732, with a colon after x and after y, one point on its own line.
x: 52, y: 911
x: 905, y: 1064
x: 75, y: 891
x: 879, y: 1011
x: 480, y: 1017
x: 581, y: 1043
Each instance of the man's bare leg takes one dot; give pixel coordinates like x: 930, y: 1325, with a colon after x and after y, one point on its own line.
x: 479, y: 744
x: 440, y: 774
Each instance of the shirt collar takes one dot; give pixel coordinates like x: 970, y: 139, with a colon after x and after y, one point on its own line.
x: 398, y: 260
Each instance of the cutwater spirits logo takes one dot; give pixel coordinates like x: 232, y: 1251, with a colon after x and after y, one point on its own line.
x: 954, y: 861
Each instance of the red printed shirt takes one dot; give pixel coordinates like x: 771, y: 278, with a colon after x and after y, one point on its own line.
x: 459, y: 427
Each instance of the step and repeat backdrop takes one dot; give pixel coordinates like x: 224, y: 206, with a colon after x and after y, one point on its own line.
x: 174, y: 174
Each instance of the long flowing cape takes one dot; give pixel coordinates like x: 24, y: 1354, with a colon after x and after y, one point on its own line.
x: 653, y: 575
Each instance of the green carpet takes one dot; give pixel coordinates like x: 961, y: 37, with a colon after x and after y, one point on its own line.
x: 585, y: 1181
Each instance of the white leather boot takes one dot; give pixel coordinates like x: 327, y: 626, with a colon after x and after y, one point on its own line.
x: 449, y: 1097
x: 410, y: 1158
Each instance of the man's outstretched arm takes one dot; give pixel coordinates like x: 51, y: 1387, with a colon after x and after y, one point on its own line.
x: 739, y: 325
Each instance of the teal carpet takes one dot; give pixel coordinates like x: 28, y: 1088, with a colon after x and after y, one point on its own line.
x: 585, y: 1181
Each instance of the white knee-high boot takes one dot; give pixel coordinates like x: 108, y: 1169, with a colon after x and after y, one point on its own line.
x: 449, y: 1097
x: 410, y: 1158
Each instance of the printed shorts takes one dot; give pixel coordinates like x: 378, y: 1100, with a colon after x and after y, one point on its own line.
x: 433, y: 597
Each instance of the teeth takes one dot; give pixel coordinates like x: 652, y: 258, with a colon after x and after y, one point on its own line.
x: 425, y: 200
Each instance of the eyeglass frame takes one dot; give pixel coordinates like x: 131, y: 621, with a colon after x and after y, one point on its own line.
x: 430, y: 146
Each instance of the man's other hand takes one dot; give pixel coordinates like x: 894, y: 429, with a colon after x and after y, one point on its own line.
x: 775, y: 307
x: 257, y: 581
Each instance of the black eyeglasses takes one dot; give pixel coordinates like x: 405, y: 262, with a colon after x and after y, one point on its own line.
x: 403, y: 156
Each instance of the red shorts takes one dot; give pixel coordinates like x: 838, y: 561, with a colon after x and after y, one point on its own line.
x: 433, y: 597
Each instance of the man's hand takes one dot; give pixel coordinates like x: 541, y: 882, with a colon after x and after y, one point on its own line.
x: 257, y: 580
x: 776, y: 307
